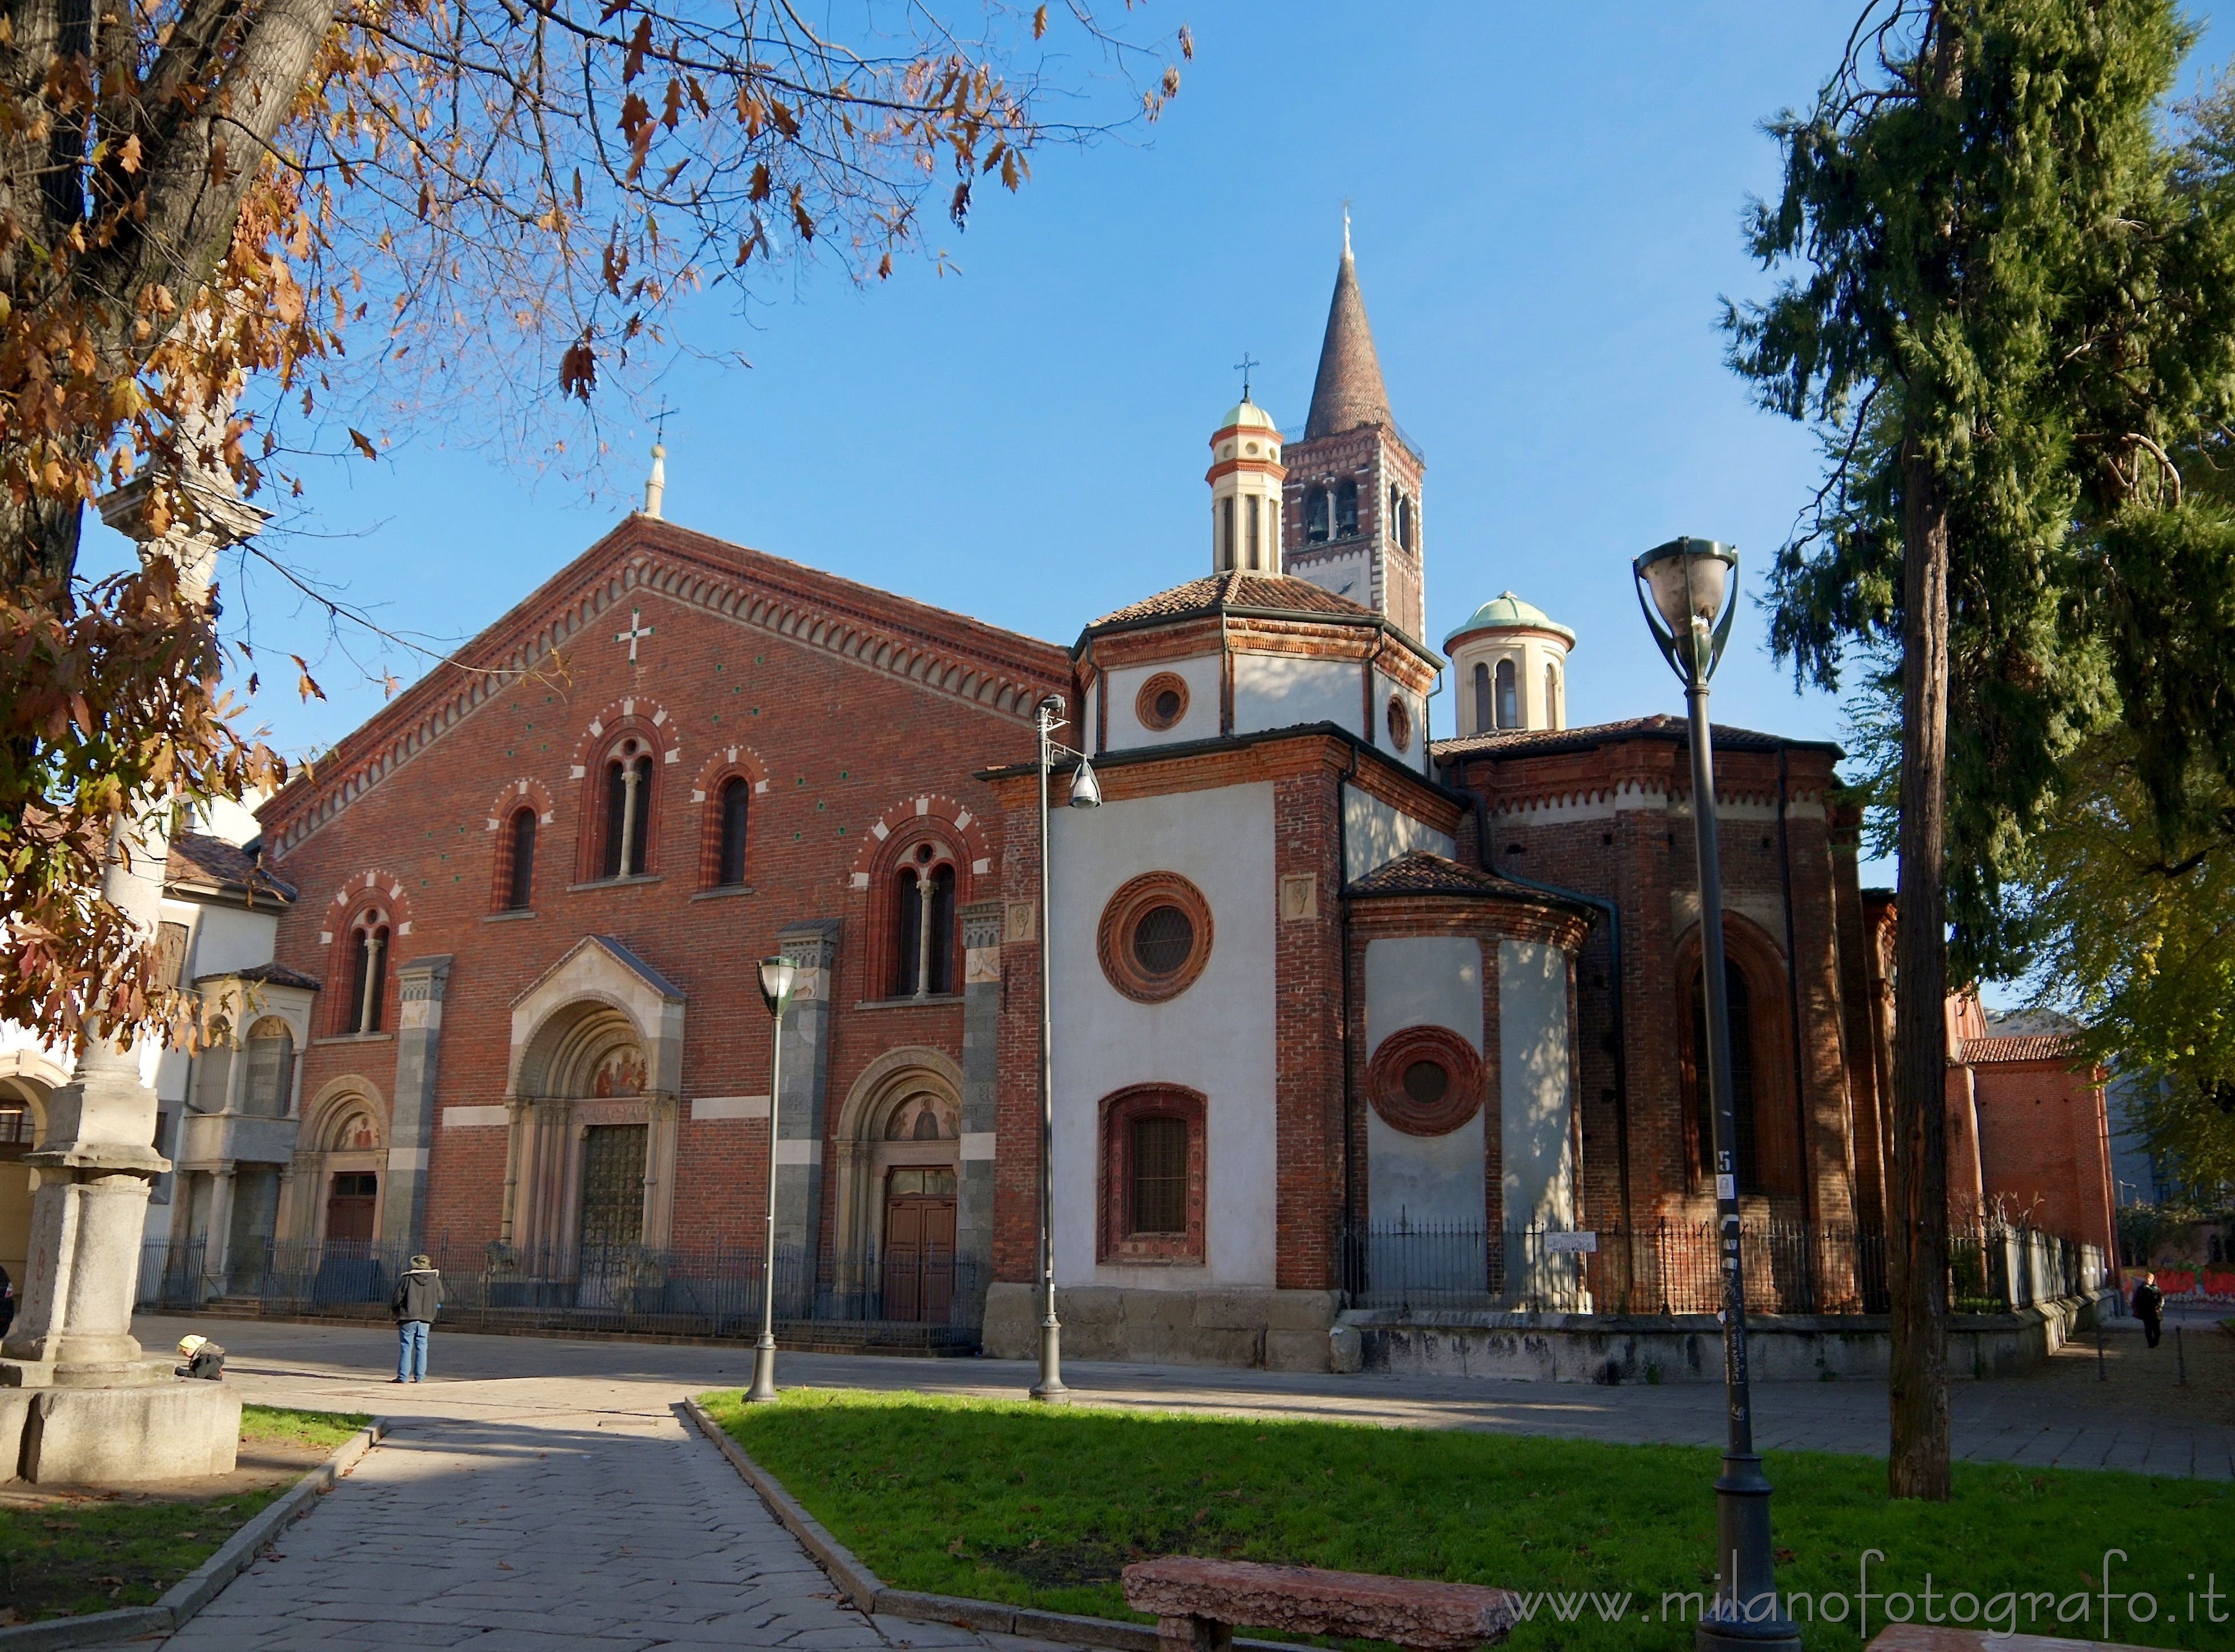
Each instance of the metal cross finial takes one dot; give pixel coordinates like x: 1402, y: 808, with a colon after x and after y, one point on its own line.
x: 659, y: 421
x: 1242, y: 367
x: 637, y: 630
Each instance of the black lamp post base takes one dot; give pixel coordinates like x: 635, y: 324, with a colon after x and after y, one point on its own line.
x: 764, y: 1385
x: 1719, y: 1635
x: 1745, y: 1584
x: 1049, y: 1387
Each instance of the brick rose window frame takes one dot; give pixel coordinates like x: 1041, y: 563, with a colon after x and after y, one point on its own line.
x: 1401, y: 724
x: 1120, y: 1111
x: 1144, y: 703
x: 1385, y: 1080
x: 1113, y: 942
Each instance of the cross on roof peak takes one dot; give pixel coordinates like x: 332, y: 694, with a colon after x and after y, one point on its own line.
x: 637, y: 631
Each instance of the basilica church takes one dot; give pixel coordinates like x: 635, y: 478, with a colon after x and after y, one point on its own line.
x: 1329, y: 1000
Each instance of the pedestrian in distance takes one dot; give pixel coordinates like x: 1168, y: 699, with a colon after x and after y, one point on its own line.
x: 417, y: 1299
x: 2149, y: 1306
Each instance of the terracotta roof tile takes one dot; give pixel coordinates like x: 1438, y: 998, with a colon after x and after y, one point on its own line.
x: 2034, y: 1047
x: 1423, y: 872
x: 269, y: 974
x: 1348, y: 391
x: 1238, y: 592
x: 1536, y: 743
x: 213, y: 863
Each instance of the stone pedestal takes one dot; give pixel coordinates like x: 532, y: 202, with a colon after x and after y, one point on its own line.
x: 167, y: 1429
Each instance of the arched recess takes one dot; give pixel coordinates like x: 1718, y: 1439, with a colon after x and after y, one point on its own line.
x: 881, y: 1129
x: 1762, y: 1038
x: 26, y: 1079
x: 340, y: 1167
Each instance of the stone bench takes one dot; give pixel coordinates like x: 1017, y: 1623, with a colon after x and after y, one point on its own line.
x: 1198, y: 1602
x: 1937, y: 1637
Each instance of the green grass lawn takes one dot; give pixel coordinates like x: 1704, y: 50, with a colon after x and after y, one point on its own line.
x: 1032, y: 1506
x: 83, y: 1552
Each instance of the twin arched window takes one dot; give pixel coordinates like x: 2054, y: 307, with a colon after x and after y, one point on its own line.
x: 628, y: 809
x: 924, y: 932
x: 1400, y: 516
x: 369, y: 937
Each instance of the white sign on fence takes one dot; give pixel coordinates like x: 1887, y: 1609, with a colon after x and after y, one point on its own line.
x: 1557, y: 1242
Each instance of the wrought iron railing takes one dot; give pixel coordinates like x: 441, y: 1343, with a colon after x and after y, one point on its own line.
x: 1791, y: 1266
x: 710, y: 1292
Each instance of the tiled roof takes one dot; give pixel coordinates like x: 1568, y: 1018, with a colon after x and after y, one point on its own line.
x: 211, y: 862
x: 268, y: 974
x: 1275, y: 593
x: 1536, y: 743
x: 2035, y: 1046
x: 1348, y: 391
x: 1423, y: 872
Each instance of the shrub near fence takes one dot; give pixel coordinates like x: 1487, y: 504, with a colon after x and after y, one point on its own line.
x: 1675, y: 1267
x: 714, y: 1292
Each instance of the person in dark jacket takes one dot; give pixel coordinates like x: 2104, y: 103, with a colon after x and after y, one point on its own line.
x: 417, y: 1299
x: 2149, y: 1308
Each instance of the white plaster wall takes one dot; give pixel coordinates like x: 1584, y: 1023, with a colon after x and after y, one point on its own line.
x: 1425, y: 981
x: 1350, y: 574
x: 1216, y: 1037
x: 1124, y: 686
x: 1283, y: 691
x: 229, y: 938
x: 1375, y: 834
x: 1416, y: 705
x: 1535, y: 1103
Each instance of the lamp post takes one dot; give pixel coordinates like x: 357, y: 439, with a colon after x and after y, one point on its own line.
x: 778, y: 975
x: 1686, y: 589
x: 1085, y: 793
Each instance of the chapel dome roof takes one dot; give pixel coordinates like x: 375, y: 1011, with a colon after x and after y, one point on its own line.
x: 1247, y: 415
x: 1506, y: 612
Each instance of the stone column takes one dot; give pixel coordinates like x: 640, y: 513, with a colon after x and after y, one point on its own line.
x: 981, y: 1037
x: 420, y: 985
x: 802, y: 1109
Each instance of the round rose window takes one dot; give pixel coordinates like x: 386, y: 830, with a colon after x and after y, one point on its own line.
x: 1162, y: 702
x: 1425, y: 1080
x: 1155, y: 937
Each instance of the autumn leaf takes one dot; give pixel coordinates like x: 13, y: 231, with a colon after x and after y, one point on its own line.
x: 639, y: 43
x: 1039, y: 22
x: 307, y: 688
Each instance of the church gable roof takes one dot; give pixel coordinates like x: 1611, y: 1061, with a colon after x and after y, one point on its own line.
x: 1425, y: 872
x: 1348, y: 391
x: 1276, y: 595
x: 1001, y: 672
x: 1537, y: 743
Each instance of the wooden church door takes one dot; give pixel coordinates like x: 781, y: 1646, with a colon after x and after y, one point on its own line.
x: 919, y: 1244
x: 349, y: 1208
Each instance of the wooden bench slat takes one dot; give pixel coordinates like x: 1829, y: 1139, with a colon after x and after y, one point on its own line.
x: 1306, y: 1600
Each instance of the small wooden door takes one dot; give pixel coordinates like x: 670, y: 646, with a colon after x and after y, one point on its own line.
x: 349, y: 1207
x: 919, y: 1244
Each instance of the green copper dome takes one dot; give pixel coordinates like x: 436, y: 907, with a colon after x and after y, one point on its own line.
x: 1506, y: 612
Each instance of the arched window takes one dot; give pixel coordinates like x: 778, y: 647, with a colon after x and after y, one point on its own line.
x: 1509, y: 696
x: 924, y: 925
x: 1317, y: 523
x: 1346, y: 510
x: 1551, y: 695
x: 269, y: 1083
x: 1256, y: 539
x: 520, y: 861
x: 1226, y: 531
x: 1404, y: 522
x: 628, y: 809
x: 1484, y: 721
x: 737, y: 793
x: 1160, y: 1175
x: 368, y: 973
x: 1742, y: 1076
x: 1153, y: 1180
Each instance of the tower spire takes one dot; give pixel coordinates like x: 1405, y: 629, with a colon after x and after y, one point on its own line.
x: 1348, y: 391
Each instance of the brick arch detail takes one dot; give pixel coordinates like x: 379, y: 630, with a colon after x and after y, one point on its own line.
x: 647, y: 719
x: 522, y: 790
x: 631, y: 714
x: 900, y: 826
x: 1779, y: 1140
x: 375, y: 882
x: 727, y: 762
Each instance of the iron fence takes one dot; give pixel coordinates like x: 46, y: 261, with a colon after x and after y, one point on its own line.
x: 1791, y: 1266
x: 715, y: 1291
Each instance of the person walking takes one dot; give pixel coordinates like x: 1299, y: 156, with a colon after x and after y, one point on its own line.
x: 2149, y: 1306
x: 417, y: 1299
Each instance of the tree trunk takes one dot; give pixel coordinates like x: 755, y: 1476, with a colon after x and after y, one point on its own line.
x: 1917, y: 1461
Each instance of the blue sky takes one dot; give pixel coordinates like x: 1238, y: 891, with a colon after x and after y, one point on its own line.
x: 1546, y: 205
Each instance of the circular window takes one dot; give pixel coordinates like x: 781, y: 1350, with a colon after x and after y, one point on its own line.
x: 1425, y: 1080
x: 1401, y: 724
x: 1250, y: 447
x: 1155, y: 937
x: 1162, y: 702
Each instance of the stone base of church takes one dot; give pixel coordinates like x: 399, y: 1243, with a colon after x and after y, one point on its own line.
x: 1688, y: 1347
x: 175, y: 1429
x: 1277, y: 1330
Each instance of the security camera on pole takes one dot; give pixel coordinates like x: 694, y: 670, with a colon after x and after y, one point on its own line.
x: 1687, y: 588
x: 1085, y: 793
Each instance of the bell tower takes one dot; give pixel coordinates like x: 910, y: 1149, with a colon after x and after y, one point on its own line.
x: 1350, y: 522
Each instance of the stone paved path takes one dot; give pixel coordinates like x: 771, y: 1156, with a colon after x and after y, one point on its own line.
x: 541, y: 1494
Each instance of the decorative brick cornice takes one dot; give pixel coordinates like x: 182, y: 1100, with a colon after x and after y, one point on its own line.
x: 947, y: 654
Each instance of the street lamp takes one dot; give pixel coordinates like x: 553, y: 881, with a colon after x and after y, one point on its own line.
x: 778, y: 975
x: 1686, y: 589
x: 1085, y: 793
